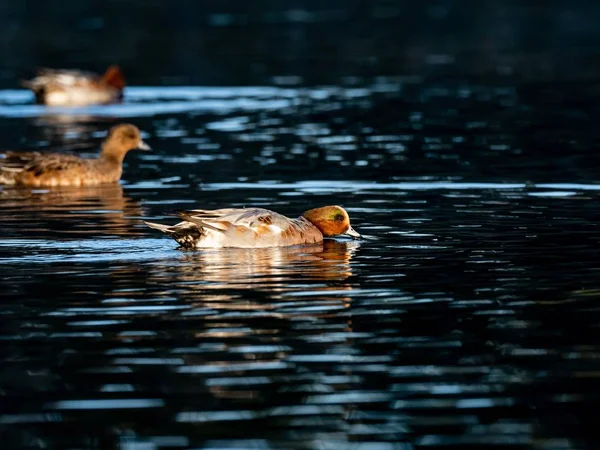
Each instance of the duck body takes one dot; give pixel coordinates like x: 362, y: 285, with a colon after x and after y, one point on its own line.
x: 56, y: 169
x: 255, y: 227
x: 76, y: 88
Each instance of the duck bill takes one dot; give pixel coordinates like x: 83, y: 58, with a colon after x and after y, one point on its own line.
x: 352, y: 233
x: 143, y: 146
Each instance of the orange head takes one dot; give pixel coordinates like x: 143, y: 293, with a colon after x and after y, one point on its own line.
x: 331, y: 221
x: 114, y: 77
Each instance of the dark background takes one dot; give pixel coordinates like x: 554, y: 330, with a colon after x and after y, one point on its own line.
x: 218, y: 42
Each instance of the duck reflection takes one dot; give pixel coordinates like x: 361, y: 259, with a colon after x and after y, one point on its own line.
x: 226, y: 274
x: 243, y: 303
x: 82, y: 210
x: 327, y: 260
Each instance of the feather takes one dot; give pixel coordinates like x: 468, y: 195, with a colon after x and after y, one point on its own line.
x: 200, y: 222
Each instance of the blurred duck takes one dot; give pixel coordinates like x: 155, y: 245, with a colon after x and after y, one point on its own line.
x: 76, y: 88
x: 256, y: 227
x: 57, y: 169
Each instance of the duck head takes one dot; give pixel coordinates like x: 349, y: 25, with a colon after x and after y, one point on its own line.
x: 122, y: 138
x: 114, y: 77
x: 331, y: 221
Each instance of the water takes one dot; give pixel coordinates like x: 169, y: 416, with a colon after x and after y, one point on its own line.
x: 465, y: 318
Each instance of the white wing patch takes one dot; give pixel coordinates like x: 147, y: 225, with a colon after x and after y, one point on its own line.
x: 211, y: 239
x: 274, y: 229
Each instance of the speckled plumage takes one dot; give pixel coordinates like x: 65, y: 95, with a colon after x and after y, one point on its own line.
x: 58, y: 169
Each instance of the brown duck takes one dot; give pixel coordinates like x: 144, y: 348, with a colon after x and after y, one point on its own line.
x: 56, y: 169
x: 76, y: 88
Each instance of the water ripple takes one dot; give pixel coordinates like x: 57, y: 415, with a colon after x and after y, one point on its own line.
x: 467, y: 316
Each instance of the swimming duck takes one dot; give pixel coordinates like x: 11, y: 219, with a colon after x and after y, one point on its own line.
x: 56, y: 169
x: 76, y: 88
x: 256, y: 227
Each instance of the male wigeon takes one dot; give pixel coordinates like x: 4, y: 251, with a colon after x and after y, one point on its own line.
x: 256, y: 227
x: 77, y: 88
x: 56, y: 169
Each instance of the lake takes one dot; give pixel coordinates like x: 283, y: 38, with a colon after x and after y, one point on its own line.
x: 464, y: 318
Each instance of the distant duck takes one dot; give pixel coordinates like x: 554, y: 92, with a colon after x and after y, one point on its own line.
x: 57, y: 169
x: 256, y: 227
x: 77, y: 88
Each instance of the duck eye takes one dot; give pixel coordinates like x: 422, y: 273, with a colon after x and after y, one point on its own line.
x: 339, y: 218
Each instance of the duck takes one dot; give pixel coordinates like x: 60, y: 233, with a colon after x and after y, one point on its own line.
x: 256, y: 227
x: 61, y: 87
x: 57, y: 169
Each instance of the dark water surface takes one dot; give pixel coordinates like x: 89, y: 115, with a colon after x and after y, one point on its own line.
x: 467, y: 317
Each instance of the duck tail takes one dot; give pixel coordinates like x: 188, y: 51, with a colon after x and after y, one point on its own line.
x: 157, y: 226
x: 200, y: 222
x: 187, y: 236
x: 33, y: 85
x: 114, y: 77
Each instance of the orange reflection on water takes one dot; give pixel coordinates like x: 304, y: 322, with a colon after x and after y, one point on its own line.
x: 87, y: 210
